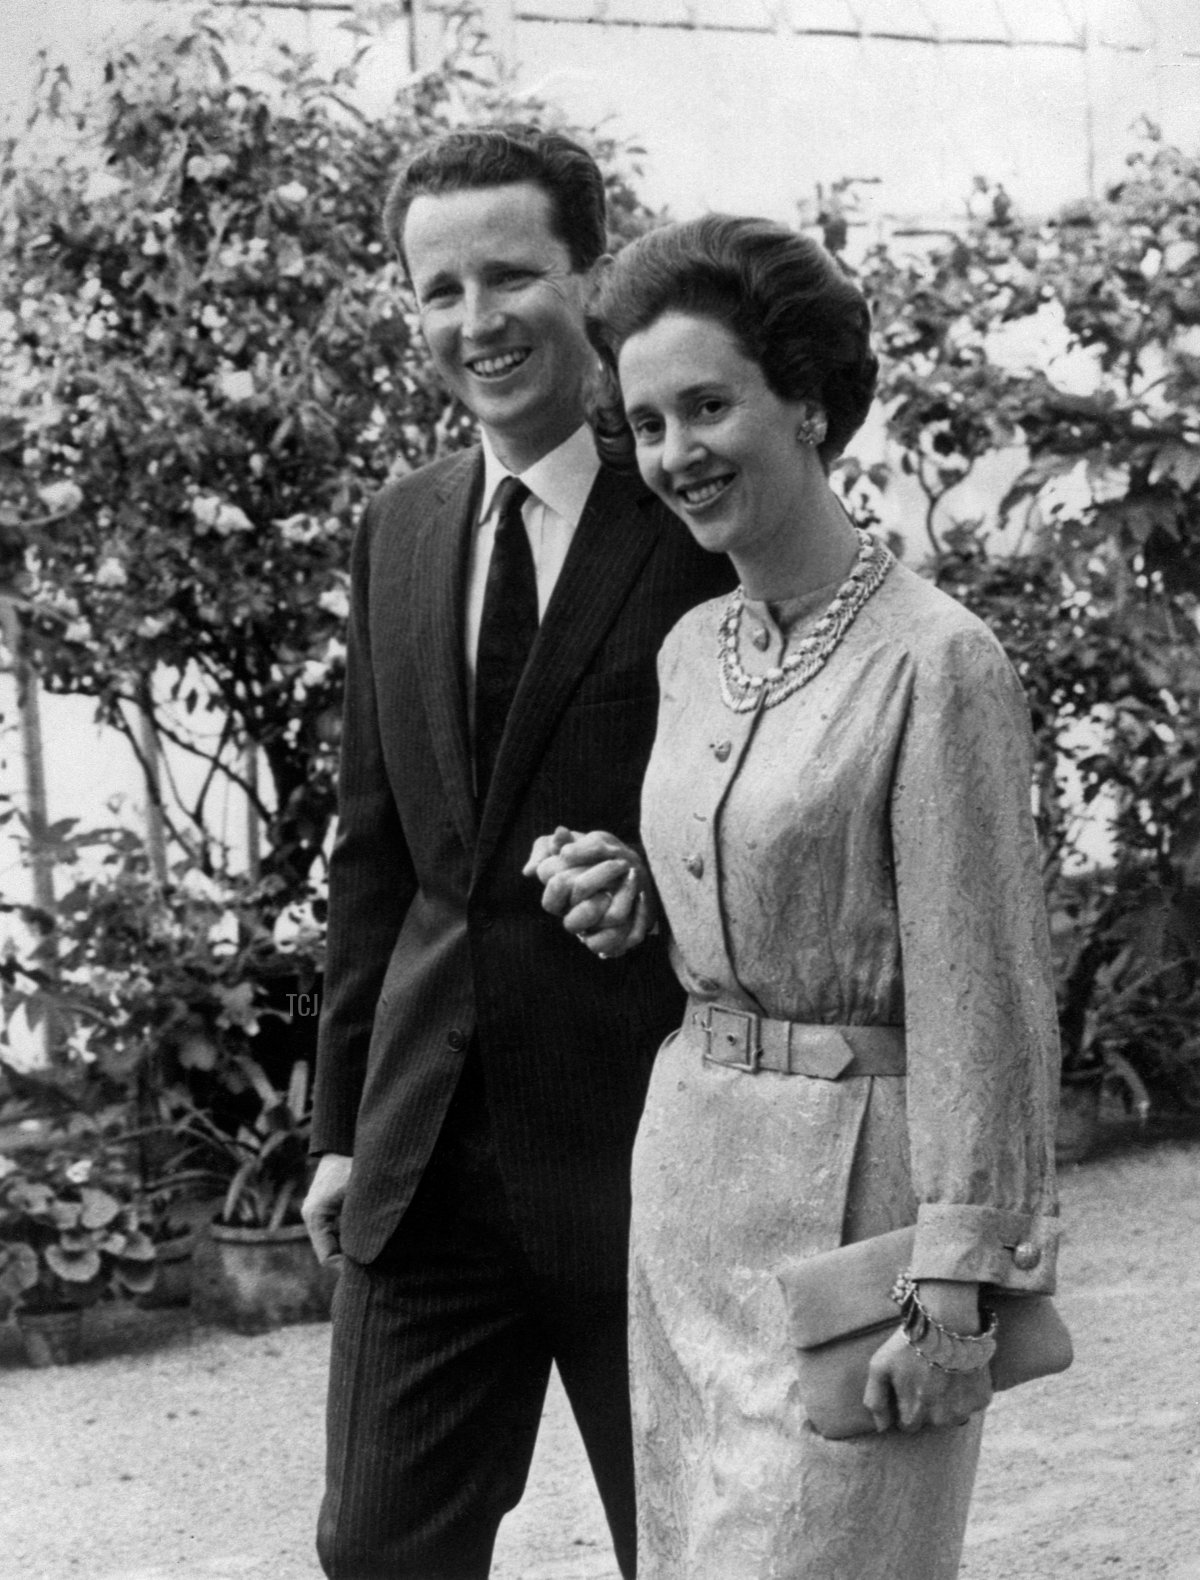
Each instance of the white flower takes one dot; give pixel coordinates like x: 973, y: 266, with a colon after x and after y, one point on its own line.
x: 25, y: 1044
x: 217, y: 515
x: 61, y: 496
x: 1178, y: 254
x: 198, y: 885
x: 152, y: 625
x: 212, y: 317
x: 79, y: 1173
x: 334, y: 601
x: 151, y: 246
x: 200, y: 168
x: 79, y: 1046
x: 231, y: 519
x: 296, y: 926
x: 298, y: 529
x: 223, y: 935
x: 78, y: 631
x: 111, y: 573
x: 236, y: 386
x: 293, y: 192
x: 314, y: 672
x: 7, y: 1166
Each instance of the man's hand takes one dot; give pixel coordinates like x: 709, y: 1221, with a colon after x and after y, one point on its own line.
x: 598, y: 885
x: 322, y: 1209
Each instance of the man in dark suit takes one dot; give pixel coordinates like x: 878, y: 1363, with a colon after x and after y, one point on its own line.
x: 480, y: 1076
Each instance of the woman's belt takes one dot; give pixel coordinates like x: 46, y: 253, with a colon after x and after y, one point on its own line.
x: 741, y: 1040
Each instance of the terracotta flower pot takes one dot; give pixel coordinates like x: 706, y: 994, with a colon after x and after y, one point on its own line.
x: 254, y: 1279
x: 52, y: 1338
x: 173, y: 1283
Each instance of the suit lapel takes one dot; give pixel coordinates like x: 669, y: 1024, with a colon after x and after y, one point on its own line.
x: 615, y: 536
x: 440, y: 585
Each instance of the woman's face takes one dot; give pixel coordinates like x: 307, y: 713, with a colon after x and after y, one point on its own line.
x: 714, y: 442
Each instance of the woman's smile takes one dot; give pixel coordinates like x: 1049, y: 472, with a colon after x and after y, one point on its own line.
x: 696, y: 496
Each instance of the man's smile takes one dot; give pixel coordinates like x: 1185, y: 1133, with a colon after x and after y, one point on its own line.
x: 496, y: 364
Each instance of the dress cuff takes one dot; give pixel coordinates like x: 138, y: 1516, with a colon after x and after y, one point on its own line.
x: 986, y: 1245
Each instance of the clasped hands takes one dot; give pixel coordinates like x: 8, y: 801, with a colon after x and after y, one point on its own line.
x: 598, y: 885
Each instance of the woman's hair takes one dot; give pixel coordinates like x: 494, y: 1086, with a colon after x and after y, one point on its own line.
x: 781, y: 296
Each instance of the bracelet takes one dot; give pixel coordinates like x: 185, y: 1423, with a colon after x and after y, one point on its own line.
x: 937, y: 1344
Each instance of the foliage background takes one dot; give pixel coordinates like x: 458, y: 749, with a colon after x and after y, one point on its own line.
x: 207, y: 365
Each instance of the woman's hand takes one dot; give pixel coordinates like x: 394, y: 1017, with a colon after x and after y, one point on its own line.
x: 599, y: 885
x: 905, y: 1392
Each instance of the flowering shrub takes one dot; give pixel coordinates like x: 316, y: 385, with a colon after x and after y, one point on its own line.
x: 159, y: 982
x: 264, y: 1163
x: 1074, y: 344
x: 70, y: 1231
x: 207, y: 365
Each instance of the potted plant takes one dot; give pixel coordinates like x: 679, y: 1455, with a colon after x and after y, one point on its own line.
x: 70, y: 1234
x: 1129, y: 975
x: 170, y: 1221
x: 258, y: 1269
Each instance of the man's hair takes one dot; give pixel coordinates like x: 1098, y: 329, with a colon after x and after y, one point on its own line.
x: 495, y: 156
x: 782, y: 297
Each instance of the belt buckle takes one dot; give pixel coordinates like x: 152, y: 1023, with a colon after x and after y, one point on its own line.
x: 712, y: 1027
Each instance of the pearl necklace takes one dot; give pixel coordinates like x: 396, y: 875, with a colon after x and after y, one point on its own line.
x: 743, y: 692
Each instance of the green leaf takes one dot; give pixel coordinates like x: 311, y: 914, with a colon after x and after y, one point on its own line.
x: 75, y: 1267
x: 18, y: 1268
x: 1180, y: 462
x: 66, y: 1215
x: 138, y: 1247
x: 98, y: 1208
x: 137, y: 1277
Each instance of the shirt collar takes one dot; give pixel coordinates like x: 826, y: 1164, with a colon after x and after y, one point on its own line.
x: 562, y: 479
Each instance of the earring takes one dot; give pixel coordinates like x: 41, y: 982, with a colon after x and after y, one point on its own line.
x: 813, y: 430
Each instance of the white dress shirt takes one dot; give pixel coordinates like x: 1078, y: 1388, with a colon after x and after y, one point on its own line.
x: 559, y: 485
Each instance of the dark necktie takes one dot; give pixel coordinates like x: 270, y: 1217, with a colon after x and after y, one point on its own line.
x: 506, y: 629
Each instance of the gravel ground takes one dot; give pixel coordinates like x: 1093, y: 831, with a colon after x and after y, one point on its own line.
x: 178, y: 1452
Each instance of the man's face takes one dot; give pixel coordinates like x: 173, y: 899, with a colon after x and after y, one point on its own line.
x: 502, y: 309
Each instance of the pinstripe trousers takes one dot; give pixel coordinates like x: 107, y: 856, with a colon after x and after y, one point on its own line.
x: 442, y: 1349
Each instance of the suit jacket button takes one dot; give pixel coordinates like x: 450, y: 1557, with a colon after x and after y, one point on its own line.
x: 761, y: 638
x: 695, y: 865
x: 457, y: 1039
x: 721, y: 750
x: 1026, y: 1256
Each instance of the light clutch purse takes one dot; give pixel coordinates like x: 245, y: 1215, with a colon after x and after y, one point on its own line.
x: 840, y: 1313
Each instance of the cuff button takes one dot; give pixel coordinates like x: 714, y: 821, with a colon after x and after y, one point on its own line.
x: 1026, y: 1256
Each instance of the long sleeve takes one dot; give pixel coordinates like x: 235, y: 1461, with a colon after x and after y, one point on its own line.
x: 371, y: 885
x: 979, y: 1005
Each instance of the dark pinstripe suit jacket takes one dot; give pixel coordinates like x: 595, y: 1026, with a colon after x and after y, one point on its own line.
x: 434, y: 934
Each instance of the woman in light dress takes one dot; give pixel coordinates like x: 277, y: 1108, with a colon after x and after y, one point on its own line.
x: 837, y: 820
